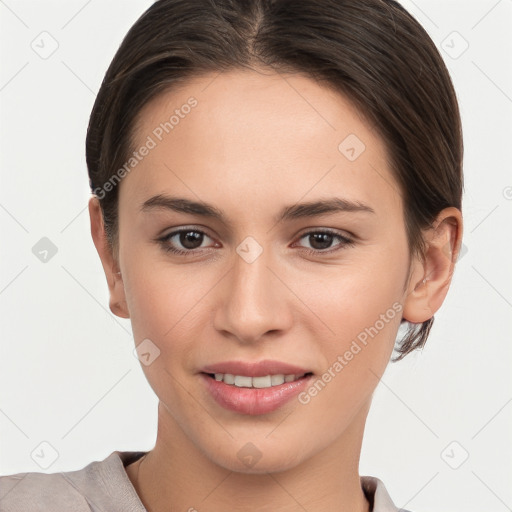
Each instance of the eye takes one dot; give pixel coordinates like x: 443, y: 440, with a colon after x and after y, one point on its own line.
x: 188, y: 238
x: 191, y: 240
x: 321, y: 240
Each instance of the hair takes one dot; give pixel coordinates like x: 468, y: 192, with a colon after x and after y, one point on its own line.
x: 371, y: 51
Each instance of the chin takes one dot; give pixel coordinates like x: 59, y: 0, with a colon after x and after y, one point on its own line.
x: 252, y: 461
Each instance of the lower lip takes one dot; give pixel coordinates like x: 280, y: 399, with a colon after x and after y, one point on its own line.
x: 253, y: 401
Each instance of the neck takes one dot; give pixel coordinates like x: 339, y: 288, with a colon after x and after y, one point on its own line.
x: 175, y: 473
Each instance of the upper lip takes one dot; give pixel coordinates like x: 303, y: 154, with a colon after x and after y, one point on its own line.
x: 255, y: 368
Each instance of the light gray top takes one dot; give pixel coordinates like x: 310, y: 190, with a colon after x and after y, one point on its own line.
x: 104, y: 486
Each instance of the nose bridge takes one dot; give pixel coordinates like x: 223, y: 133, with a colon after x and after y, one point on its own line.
x: 253, y: 298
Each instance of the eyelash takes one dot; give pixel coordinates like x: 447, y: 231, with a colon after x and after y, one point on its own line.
x: 345, y: 242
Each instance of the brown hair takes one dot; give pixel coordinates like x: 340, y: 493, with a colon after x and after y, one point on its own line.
x: 372, y: 51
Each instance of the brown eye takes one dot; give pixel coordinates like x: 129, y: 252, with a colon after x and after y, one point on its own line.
x: 183, y: 241
x: 321, y: 241
x: 190, y: 239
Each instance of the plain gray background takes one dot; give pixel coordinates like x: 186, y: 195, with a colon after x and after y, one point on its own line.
x: 71, y: 389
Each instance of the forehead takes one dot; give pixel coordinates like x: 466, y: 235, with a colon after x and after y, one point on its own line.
x: 248, y: 134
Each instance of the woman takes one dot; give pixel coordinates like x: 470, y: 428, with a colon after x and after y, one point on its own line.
x: 276, y: 191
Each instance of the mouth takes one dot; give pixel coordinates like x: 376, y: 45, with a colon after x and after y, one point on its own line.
x: 254, y: 395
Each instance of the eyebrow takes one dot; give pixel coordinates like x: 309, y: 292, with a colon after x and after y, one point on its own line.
x: 288, y: 213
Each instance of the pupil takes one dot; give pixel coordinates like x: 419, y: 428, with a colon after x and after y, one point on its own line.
x: 189, y: 239
x: 324, y: 239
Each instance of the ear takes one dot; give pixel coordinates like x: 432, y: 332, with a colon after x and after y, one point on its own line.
x: 430, y: 279
x: 115, y: 283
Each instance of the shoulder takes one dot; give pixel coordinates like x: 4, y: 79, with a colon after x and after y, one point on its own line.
x: 38, y: 492
x: 94, y: 488
x: 378, y: 496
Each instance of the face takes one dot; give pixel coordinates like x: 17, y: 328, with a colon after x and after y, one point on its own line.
x: 318, y: 288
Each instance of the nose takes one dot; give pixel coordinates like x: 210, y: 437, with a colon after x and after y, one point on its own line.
x: 253, y: 301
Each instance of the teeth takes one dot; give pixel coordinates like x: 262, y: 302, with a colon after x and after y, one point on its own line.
x: 262, y: 382
x: 275, y: 380
x: 229, y: 379
x: 243, y: 381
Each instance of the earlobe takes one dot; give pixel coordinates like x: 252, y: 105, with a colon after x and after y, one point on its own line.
x: 430, y: 279
x: 117, y: 302
x: 119, y: 309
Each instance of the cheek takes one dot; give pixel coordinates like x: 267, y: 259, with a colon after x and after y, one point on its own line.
x: 167, y: 305
x: 338, y: 302
x: 348, y: 300
x: 164, y: 307
x: 362, y: 310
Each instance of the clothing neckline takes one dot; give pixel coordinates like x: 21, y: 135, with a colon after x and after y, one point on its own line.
x: 373, y: 488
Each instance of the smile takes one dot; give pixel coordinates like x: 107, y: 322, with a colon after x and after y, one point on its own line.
x: 241, y: 394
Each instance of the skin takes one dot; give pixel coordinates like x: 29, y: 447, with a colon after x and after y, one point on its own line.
x: 256, y: 142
